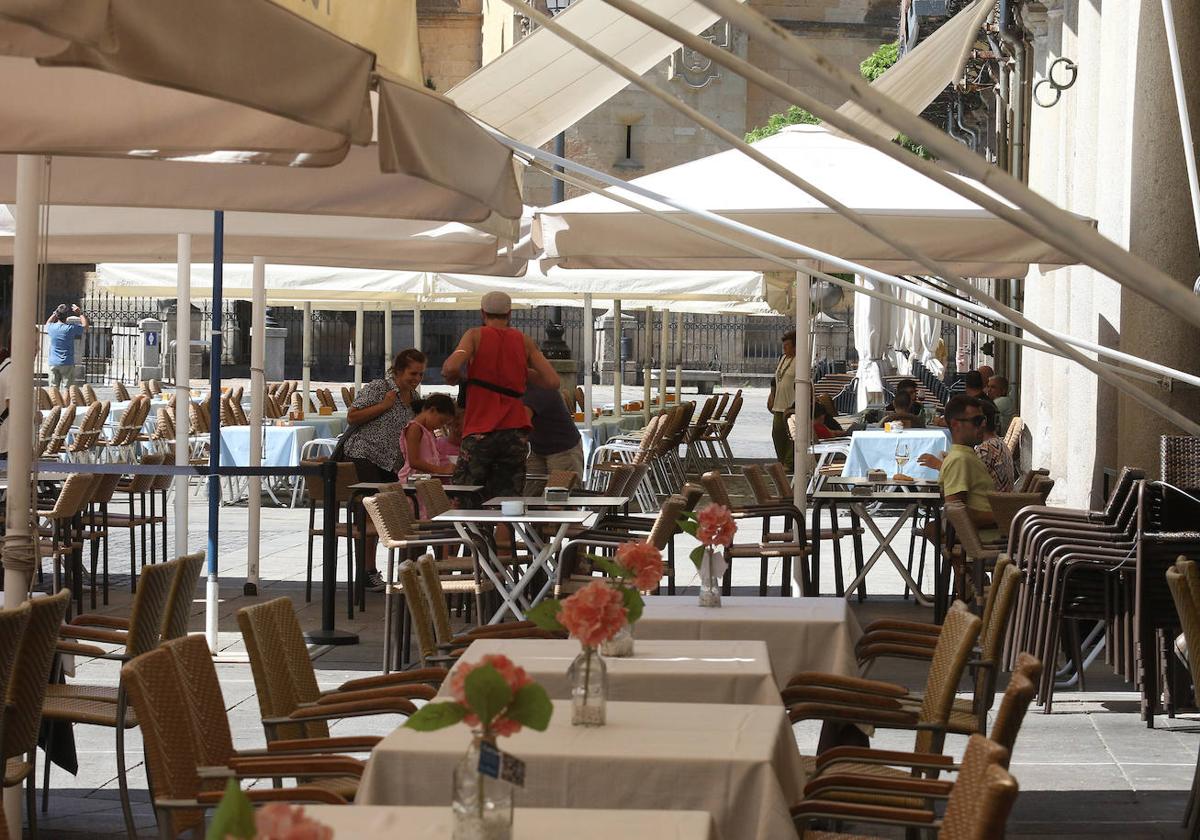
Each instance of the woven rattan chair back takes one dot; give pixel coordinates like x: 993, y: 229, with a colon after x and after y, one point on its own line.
x: 66, y: 420
x: 297, y: 402
x: 46, y: 430
x: 180, y: 597
x: 392, y: 515
x: 692, y: 494
x: 619, y: 478
x: 120, y: 391
x: 92, y: 419
x: 959, y: 633
x: 757, y: 477
x: 433, y: 498
x: 105, y: 488
x: 280, y: 664
x: 982, y: 796
x: 1022, y: 686
x: 1027, y: 481
x: 142, y: 483
x: 149, y: 605
x: 715, y: 485
x: 227, y: 418
x: 964, y: 528
x: 1179, y: 460
x: 347, y: 397
x: 563, y: 478
x: 31, y: 673
x: 43, y: 400
x: 783, y: 484
x: 666, y: 523
x: 75, y: 494
x: 55, y: 396
x: 435, y: 598
x: 1187, y: 607
x: 418, y: 609
x: 177, y: 697
x: 89, y: 393
x: 195, y: 420
x: 735, y: 408
x: 347, y: 474
x: 144, y: 388
x: 155, y: 387
x: 701, y: 423
x: 997, y: 612
x: 76, y: 394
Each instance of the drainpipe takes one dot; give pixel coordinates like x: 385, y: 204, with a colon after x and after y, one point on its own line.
x: 970, y: 133
x: 1013, y: 36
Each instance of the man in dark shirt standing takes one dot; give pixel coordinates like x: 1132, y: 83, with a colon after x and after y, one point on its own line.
x: 554, y: 443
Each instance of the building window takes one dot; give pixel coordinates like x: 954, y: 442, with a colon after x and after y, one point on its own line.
x: 628, y: 162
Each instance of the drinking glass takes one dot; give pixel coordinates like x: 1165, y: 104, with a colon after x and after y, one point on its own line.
x: 902, y: 453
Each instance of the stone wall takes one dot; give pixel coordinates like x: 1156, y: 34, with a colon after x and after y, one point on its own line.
x: 451, y: 39
x: 1110, y: 149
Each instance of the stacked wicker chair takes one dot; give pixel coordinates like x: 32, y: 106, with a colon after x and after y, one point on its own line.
x: 120, y: 392
x: 87, y: 438
x: 1184, y: 584
x: 12, y: 627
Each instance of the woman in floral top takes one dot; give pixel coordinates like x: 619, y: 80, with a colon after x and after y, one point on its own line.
x: 993, y: 452
x: 378, y: 415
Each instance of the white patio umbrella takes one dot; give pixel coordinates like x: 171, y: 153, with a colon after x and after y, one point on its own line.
x: 592, y: 231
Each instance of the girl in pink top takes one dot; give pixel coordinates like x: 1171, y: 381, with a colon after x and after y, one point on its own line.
x: 418, y: 444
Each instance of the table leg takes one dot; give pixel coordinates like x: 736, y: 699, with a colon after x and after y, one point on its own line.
x: 885, y: 547
x: 814, y: 566
x: 485, y: 557
x: 856, y: 529
x: 545, y: 550
x: 941, y: 568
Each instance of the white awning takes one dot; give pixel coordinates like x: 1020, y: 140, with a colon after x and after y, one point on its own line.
x: 937, y: 62
x: 542, y: 86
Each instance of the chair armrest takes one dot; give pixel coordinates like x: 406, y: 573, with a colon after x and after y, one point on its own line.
x: 348, y: 743
x: 885, y: 689
x: 415, y: 690
x: 93, y: 634
x: 867, y: 755
x: 899, y: 637
x: 824, y: 694
x: 79, y: 649
x: 887, y: 718
x: 333, y: 711
x: 863, y: 783
x: 301, y: 793
x: 879, y: 814
x: 294, y: 765
x: 428, y: 676
x: 97, y: 620
x: 895, y: 650
x: 903, y: 626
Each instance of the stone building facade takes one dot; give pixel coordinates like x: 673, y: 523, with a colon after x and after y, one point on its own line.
x: 1110, y: 148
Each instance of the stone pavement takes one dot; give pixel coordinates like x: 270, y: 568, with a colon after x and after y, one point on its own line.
x: 1091, y: 769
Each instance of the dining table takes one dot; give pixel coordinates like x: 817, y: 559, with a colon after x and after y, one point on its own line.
x: 877, y: 449
x: 801, y: 634
x: 740, y: 763
x: 660, y: 671
x: 425, y: 822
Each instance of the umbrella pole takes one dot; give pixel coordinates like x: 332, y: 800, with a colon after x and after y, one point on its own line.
x: 417, y: 337
x: 258, y: 387
x: 618, y: 362
x: 19, y: 548
x: 589, y: 345
x: 358, y: 346
x: 183, y: 383
x: 212, y: 589
x: 803, y: 374
x: 388, y: 350
x: 306, y: 352
x: 664, y: 339
x: 647, y: 371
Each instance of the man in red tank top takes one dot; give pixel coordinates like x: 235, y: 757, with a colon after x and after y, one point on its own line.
x: 499, y: 360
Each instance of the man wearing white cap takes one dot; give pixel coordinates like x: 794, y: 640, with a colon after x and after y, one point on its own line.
x: 499, y: 360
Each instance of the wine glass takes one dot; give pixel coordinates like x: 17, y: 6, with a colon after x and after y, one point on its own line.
x: 902, y: 453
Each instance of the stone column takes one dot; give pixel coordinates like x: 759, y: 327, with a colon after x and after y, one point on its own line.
x: 150, y: 351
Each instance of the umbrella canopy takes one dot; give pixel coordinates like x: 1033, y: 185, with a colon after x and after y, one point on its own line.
x: 121, y: 234
x: 592, y: 231
x: 676, y: 287
x: 135, y: 79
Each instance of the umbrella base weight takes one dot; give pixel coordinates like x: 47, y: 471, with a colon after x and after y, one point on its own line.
x: 331, y: 637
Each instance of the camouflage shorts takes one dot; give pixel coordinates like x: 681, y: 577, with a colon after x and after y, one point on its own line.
x: 496, y: 461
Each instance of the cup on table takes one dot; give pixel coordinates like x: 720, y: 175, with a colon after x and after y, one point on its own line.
x: 512, y: 507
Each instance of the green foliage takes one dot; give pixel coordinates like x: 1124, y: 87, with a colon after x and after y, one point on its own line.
x: 531, y: 707
x: 234, y: 817
x: 633, y: 603
x: 794, y: 115
x: 545, y: 614
x: 487, y: 694
x: 489, y: 697
x: 878, y: 62
x: 433, y: 716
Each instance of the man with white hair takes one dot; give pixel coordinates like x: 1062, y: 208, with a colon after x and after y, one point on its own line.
x: 499, y: 361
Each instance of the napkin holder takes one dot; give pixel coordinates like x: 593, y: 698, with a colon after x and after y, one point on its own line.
x: 556, y: 495
x: 877, y: 476
x: 325, y: 411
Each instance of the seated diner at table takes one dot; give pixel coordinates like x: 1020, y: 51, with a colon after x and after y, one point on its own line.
x: 418, y: 443
x: 820, y: 424
x: 992, y: 451
x: 903, y: 411
x: 962, y: 475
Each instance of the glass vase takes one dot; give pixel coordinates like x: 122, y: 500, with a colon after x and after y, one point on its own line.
x: 483, y: 806
x: 620, y: 644
x: 710, y: 579
x: 589, y: 688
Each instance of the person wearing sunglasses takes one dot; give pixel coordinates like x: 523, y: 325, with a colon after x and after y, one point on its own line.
x: 963, y: 475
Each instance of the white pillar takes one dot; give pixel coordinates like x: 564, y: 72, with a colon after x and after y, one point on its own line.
x: 589, y: 344
x: 388, y: 350
x: 618, y: 369
x: 358, y: 346
x: 803, y: 368
x: 18, y: 542
x: 306, y: 352
x: 647, y: 372
x: 679, y: 359
x: 417, y: 326
x: 258, y: 387
x: 183, y: 382
x: 664, y: 344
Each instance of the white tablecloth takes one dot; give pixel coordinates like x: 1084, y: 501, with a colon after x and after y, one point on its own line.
x: 323, y: 427
x: 659, y: 671
x: 876, y: 449
x: 360, y: 822
x: 281, y: 449
x: 801, y: 634
x: 739, y: 763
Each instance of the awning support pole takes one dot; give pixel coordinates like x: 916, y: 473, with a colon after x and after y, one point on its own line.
x: 664, y: 346
x: 212, y: 591
x: 804, y: 397
x: 647, y: 371
x: 589, y: 351
x: 618, y: 362
x: 388, y: 350
x: 306, y: 352
x: 183, y: 383
x: 679, y: 358
x: 258, y: 388
x: 359, y: 317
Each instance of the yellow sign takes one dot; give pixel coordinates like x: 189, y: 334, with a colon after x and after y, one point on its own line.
x: 387, y: 28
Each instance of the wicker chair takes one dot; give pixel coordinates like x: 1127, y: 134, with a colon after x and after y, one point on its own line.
x: 65, y: 542
x: 850, y: 700
x: 977, y: 802
x: 290, y: 701
x: 120, y: 392
x: 189, y: 747
x: 391, y: 514
x: 104, y: 705
x: 347, y: 396
x: 315, y: 486
x: 1184, y: 583
x: 75, y: 394
x: 137, y: 487
x: 55, y: 396
x: 90, y: 428
x: 46, y: 430
x: 177, y: 613
x: 26, y: 692
x: 58, y: 440
x: 89, y: 393
x: 44, y: 403
x: 562, y: 478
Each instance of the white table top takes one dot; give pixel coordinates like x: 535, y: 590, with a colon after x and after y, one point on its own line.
x: 659, y: 671
x: 739, y: 763
x: 351, y: 822
x: 412, y: 488
x: 541, y: 517
x: 570, y: 501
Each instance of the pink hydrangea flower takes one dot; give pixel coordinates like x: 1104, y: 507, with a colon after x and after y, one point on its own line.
x: 644, y: 561
x: 594, y: 614
x: 715, y: 526
x: 513, y: 674
x: 280, y: 821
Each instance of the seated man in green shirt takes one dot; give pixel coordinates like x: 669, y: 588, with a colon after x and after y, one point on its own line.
x: 963, y: 477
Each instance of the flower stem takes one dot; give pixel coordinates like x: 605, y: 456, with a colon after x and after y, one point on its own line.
x: 587, y: 674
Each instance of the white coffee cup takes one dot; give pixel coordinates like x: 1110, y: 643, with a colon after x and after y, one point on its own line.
x: 513, y: 507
